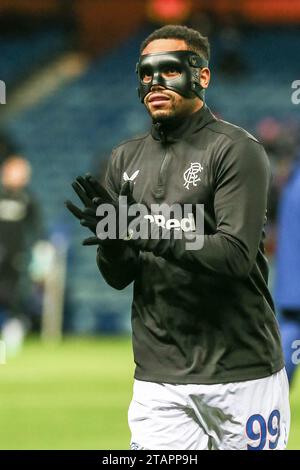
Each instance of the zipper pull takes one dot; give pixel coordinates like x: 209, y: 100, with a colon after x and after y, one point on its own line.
x: 161, y: 132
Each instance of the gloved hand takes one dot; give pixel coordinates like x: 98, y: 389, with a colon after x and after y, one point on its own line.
x: 171, y: 243
x: 159, y: 240
x: 92, y: 194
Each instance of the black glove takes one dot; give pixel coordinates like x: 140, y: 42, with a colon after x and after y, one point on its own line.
x: 92, y: 194
x: 92, y: 221
x: 170, y: 243
x: 159, y: 241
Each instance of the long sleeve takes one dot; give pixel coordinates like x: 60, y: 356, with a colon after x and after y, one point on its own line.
x: 241, y: 183
x: 117, y: 262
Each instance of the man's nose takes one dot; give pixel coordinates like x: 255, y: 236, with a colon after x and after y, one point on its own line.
x: 157, y: 87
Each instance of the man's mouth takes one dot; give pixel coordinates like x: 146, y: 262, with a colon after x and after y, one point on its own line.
x: 158, y: 99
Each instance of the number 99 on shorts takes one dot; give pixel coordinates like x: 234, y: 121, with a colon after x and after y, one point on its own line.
x: 263, y: 434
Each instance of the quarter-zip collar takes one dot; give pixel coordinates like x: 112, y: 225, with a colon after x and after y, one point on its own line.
x: 182, y: 128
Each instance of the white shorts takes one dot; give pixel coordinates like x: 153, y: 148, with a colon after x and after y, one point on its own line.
x: 250, y: 415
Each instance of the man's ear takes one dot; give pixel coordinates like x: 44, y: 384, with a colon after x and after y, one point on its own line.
x: 204, y: 77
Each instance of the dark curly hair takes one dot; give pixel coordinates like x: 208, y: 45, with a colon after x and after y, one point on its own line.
x: 193, y: 39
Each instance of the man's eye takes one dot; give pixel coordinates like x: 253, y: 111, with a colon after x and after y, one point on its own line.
x: 146, y: 76
x: 171, y: 72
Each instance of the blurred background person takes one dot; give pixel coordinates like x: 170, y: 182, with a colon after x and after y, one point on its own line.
x: 20, y: 228
x: 287, y: 286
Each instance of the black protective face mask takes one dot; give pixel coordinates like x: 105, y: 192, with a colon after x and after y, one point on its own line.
x: 185, y: 62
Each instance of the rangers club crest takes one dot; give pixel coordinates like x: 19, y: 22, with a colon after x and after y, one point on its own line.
x: 191, y: 175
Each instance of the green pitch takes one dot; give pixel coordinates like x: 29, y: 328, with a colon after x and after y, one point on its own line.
x: 75, y: 396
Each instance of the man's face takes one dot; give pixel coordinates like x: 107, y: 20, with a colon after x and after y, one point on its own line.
x: 161, y: 103
x: 15, y: 174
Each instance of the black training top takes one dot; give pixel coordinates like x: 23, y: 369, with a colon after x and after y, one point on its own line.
x: 199, y: 316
